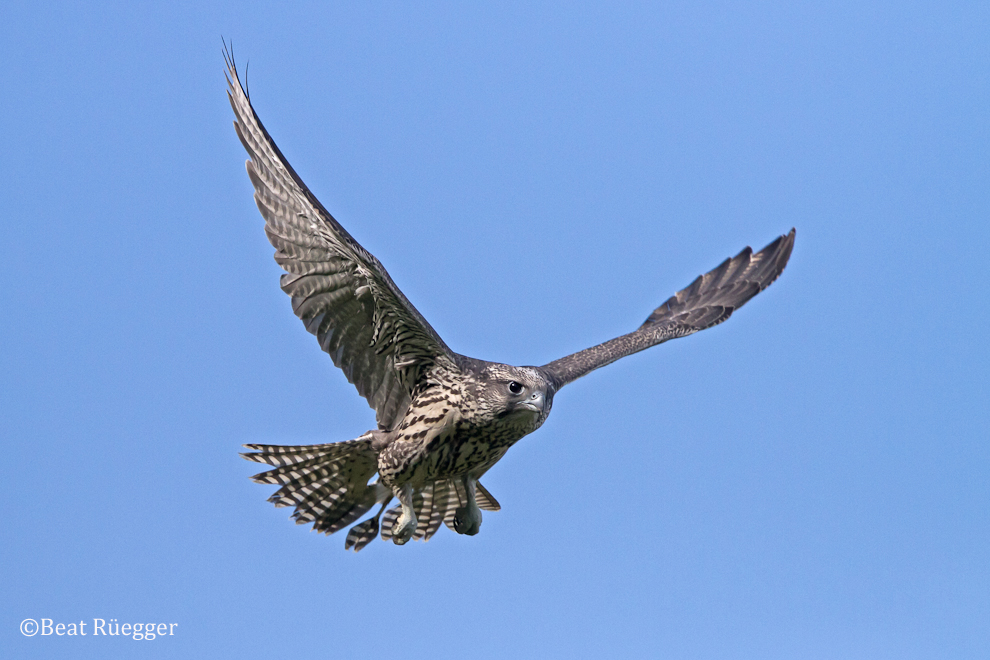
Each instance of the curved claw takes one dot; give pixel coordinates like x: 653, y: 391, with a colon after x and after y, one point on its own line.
x: 405, y: 525
x: 467, y: 520
x: 403, y: 529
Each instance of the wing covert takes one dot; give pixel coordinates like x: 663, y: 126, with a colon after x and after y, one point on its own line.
x: 339, y: 290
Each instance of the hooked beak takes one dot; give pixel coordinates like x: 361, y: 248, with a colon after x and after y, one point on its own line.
x: 533, y: 402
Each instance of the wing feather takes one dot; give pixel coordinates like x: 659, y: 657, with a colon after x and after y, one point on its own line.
x: 707, y: 301
x: 338, y: 289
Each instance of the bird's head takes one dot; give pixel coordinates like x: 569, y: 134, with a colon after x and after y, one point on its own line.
x: 514, y: 391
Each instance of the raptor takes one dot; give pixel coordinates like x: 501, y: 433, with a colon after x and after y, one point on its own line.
x: 443, y: 419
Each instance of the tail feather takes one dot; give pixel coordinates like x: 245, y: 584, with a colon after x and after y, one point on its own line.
x: 388, y: 520
x: 308, y: 471
x: 441, y: 492
x: 279, y: 455
x: 424, y: 511
x: 327, y: 484
x: 328, y: 487
x: 298, y: 490
x: 355, y: 511
x: 485, y: 500
x: 292, y: 462
x: 322, y: 502
x: 362, y: 534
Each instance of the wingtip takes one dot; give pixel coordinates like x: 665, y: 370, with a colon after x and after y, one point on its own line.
x: 789, y: 238
x: 228, y: 55
x: 779, y: 254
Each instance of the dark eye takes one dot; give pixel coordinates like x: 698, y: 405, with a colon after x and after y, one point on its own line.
x: 515, y: 387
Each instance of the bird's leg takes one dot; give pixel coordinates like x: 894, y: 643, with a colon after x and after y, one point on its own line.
x: 467, y: 519
x: 405, y: 525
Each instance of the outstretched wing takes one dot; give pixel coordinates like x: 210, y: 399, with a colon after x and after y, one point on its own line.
x: 708, y: 301
x: 340, y: 291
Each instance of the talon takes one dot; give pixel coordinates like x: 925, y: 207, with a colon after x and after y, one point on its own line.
x: 403, y: 530
x: 467, y: 519
x: 465, y: 522
x: 405, y: 525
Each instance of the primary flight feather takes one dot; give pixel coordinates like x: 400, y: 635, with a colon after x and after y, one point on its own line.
x: 443, y: 419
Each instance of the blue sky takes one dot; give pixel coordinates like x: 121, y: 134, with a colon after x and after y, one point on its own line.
x: 808, y: 480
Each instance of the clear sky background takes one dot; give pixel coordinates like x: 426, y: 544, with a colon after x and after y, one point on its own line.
x: 809, y: 480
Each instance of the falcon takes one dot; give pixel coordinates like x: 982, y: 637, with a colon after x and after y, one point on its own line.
x: 443, y: 419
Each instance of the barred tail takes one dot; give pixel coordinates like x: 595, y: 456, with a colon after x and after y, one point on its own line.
x: 327, y: 484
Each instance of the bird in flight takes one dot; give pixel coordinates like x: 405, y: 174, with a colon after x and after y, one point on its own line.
x: 443, y: 419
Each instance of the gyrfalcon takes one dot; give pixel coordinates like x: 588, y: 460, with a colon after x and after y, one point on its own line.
x: 443, y: 419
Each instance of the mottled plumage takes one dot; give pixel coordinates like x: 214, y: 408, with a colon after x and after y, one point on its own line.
x: 443, y: 419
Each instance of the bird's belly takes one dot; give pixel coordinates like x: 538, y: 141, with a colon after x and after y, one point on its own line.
x: 461, y: 456
x: 462, y: 450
